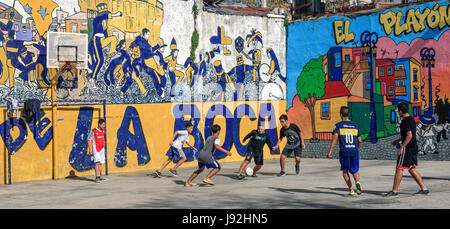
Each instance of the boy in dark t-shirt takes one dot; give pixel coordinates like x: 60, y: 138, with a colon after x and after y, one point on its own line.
x: 294, y: 143
x: 255, y: 150
x: 407, y: 152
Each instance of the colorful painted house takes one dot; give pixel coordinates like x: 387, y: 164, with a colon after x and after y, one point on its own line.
x: 77, y: 23
x: 326, y: 109
x: 334, y: 57
x: 407, y: 84
x: 385, y: 74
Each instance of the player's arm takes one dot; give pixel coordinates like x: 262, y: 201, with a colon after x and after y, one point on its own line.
x: 249, y: 135
x: 218, y: 147
x: 187, y: 143
x: 359, y: 142
x: 269, y: 143
x: 333, y: 142
x: 90, y: 143
x: 174, y: 135
x: 303, y: 140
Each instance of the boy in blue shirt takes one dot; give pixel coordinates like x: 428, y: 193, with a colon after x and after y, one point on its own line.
x: 348, y: 134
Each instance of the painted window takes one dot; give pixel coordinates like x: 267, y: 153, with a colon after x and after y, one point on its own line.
x: 416, y: 94
x: 325, y: 110
x: 391, y: 90
x: 415, y: 74
x: 381, y: 70
x: 367, y: 82
x: 400, y: 67
x: 401, y: 83
x: 337, y: 59
x: 414, y: 111
x: 393, y: 116
x: 389, y: 71
x: 347, y: 57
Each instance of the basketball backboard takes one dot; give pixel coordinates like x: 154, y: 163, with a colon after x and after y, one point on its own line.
x: 67, y: 47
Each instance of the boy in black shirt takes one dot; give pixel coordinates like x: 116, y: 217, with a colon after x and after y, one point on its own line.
x: 294, y: 143
x: 255, y: 149
x: 407, y: 153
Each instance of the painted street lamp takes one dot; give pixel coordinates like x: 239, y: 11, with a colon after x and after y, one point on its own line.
x: 369, y: 48
x: 427, y: 55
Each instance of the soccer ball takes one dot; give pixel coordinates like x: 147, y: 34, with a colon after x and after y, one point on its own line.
x: 249, y: 171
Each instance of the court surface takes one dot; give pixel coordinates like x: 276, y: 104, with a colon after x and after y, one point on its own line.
x: 319, y: 185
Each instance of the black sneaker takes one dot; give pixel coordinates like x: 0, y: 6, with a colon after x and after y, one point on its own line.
x: 424, y: 192
x: 391, y: 193
x: 97, y: 180
x: 174, y: 172
x: 240, y: 177
x: 254, y: 175
x: 102, y: 179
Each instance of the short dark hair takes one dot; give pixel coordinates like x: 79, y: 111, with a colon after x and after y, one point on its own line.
x: 188, y: 125
x: 215, y: 128
x: 144, y: 31
x: 284, y: 116
x: 403, y: 107
x: 101, y: 121
x: 344, y: 111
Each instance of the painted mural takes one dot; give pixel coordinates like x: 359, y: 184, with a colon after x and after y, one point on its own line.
x: 129, y: 61
x: 151, y: 84
x: 370, y: 63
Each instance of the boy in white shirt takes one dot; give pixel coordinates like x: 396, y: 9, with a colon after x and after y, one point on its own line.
x: 175, y: 152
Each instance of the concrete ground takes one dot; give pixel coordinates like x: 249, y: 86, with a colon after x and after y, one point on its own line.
x: 320, y: 185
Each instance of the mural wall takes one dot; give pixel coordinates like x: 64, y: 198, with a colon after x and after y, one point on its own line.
x: 371, y: 62
x: 145, y: 58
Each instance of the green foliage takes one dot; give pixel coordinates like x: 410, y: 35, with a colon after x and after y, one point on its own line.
x: 195, y: 36
x: 195, y: 10
x: 194, y: 44
x: 286, y: 21
x: 311, y: 82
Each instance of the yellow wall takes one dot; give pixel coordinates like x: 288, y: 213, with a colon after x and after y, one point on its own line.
x: 327, y: 125
x: 31, y: 163
x: 414, y: 64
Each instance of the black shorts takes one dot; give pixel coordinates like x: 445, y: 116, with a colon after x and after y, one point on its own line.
x: 297, y: 151
x: 408, y: 159
x: 257, y: 158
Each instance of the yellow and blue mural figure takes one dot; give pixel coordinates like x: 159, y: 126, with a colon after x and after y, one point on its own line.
x: 171, y: 64
x: 223, y: 79
x: 120, y: 68
x: 142, y: 51
x: 274, y: 69
x: 255, y: 54
x: 101, y: 39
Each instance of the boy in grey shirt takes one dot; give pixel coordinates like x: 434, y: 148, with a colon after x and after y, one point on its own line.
x: 206, y: 158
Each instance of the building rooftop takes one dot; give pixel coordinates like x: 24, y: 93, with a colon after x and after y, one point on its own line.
x: 334, y: 89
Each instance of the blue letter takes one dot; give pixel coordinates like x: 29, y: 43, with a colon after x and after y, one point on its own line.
x: 134, y: 142
x: 79, y: 159
x: 209, y: 121
x: 179, y: 111
x: 241, y: 111
x: 267, y: 110
x: 20, y: 141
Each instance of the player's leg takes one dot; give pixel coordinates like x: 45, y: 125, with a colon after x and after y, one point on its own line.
x: 418, y: 178
x: 179, y: 163
x: 397, y: 179
x: 283, y: 162
x: 194, y: 175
